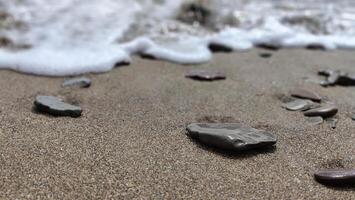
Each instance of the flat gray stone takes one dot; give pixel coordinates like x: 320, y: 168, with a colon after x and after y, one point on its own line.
x: 55, y: 106
x: 82, y: 82
x: 230, y: 136
x: 314, y: 120
x: 336, y: 176
x: 305, y: 94
x: 297, y: 105
x: 323, y: 111
x: 206, y: 74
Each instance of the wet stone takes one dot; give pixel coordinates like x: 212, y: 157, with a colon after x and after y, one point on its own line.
x: 323, y: 111
x: 215, y: 47
x: 230, y: 136
x: 55, y: 106
x: 206, y: 74
x: 297, y: 105
x: 341, y: 177
x: 314, y: 120
x: 81, y: 82
x: 305, y: 94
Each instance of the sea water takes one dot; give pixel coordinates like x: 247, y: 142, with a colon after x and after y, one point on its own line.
x: 70, y: 37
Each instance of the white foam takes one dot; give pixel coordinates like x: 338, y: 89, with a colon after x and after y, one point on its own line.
x: 70, y: 37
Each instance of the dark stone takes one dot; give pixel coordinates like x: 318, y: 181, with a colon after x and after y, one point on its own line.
x: 206, y: 74
x: 271, y: 47
x: 315, y: 47
x: 337, y: 78
x: 297, y: 105
x: 82, y: 82
x: 147, y: 56
x: 230, y: 136
x: 305, y: 94
x: 338, y: 177
x: 265, y: 55
x: 315, y: 120
x: 323, y: 111
x: 194, y: 12
x: 55, y: 106
x: 214, y: 47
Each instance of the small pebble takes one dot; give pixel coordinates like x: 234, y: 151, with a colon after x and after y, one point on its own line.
x: 333, y: 122
x: 55, y: 106
x: 323, y: 111
x: 339, y: 177
x: 206, y: 74
x: 297, y: 105
x: 265, y: 55
x: 82, y: 82
x: 305, y: 94
x: 314, y: 120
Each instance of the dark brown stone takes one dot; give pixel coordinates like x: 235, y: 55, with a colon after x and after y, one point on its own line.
x: 305, y: 94
x: 336, y: 176
x: 214, y: 47
x: 55, y: 106
x: 323, y: 111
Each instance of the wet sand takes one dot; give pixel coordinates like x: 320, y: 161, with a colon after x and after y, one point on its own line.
x: 131, y: 141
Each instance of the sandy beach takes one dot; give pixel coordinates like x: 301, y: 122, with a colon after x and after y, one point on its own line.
x: 131, y: 142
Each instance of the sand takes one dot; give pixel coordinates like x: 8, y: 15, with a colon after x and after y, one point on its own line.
x: 131, y: 141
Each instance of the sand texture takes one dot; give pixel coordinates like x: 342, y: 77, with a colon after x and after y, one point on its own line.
x: 131, y: 142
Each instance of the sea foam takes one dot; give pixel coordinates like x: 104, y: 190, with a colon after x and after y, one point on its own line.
x: 71, y: 37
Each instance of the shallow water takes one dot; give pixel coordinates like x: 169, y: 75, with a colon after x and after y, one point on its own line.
x: 70, y: 37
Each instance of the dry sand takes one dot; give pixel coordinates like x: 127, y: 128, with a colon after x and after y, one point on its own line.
x: 130, y: 142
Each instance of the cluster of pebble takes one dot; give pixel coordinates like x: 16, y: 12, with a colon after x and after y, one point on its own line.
x: 228, y: 136
x: 313, y: 106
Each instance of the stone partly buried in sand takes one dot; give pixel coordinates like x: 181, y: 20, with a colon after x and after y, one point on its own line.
x: 314, y: 120
x: 205, y: 74
x: 305, y: 94
x: 323, y: 111
x: 81, y: 82
x: 341, y: 177
x: 230, y: 136
x: 55, y: 106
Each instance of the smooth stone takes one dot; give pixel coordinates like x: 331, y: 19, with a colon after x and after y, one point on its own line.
x: 305, y: 94
x: 82, y: 82
x: 336, y: 176
x: 230, y: 136
x: 215, y: 47
x: 206, y: 74
x: 265, y: 55
x: 315, y: 120
x: 323, y: 111
x: 353, y: 117
x: 55, y: 106
x: 297, y: 105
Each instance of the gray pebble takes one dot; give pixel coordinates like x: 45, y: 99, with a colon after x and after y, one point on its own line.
x: 230, y: 136
x: 55, y: 106
x: 82, y: 82
x: 323, y: 111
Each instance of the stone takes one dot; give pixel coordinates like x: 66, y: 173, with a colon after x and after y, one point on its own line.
x: 265, y: 55
x: 230, y: 136
x: 323, y: 111
x: 314, y: 120
x: 333, y: 122
x: 297, y: 105
x: 206, y: 74
x: 346, y: 80
x: 305, y: 94
x: 55, y: 106
x: 336, y: 177
x: 215, y: 47
x: 336, y: 77
x: 82, y: 82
